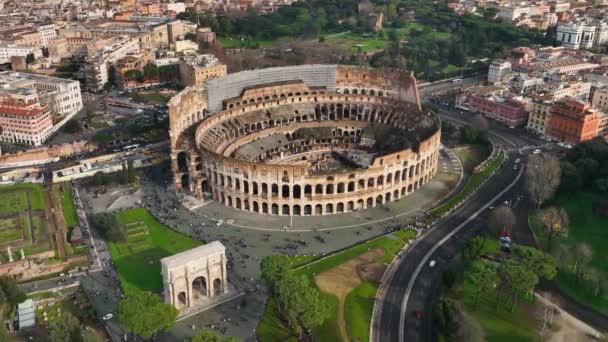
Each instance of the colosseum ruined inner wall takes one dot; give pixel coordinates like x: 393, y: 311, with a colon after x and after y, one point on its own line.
x: 304, y: 140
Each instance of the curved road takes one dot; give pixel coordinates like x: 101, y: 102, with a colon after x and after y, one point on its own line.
x: 397, y: 321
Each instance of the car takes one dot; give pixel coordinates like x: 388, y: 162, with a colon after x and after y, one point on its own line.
x: 568, y: 146
x: 107, y: 317
x: 219, y: 223
x: 432, y: 263
x: 491, y: 207
x: 537, y: 151
x: 517, y: 160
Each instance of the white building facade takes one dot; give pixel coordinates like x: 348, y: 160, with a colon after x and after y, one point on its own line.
x: 576, y: 35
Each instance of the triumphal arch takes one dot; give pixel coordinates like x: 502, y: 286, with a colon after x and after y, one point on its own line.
x: 194, y: 277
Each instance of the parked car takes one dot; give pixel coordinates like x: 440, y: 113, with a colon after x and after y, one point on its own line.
x: 107, y: 317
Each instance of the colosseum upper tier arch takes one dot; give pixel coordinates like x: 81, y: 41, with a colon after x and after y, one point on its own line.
x: 303, y: 140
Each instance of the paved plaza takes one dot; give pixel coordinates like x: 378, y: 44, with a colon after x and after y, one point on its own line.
x: 249, y: 237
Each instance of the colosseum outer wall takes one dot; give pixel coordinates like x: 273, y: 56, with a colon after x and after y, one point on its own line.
x: 289, y: 189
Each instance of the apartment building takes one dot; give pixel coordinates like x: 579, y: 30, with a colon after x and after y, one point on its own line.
x: 23, y: 119
x: 194, y: 70
x: 10, y: 50
x: 498, y: 70
x: 574, y: 121
x: 539, y: 116
x: 47, y: 33
x: 507, y: 110
x: 62, y: 96
x: 576, y: 35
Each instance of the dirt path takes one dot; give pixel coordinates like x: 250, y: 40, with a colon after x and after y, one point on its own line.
x: 342, y: 279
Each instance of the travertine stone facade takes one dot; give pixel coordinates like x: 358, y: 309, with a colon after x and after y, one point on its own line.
x: 195, y: 275
x: 261, y: 152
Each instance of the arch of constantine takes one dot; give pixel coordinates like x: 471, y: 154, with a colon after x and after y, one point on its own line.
x: 193, y: 277
x: 303, y: 140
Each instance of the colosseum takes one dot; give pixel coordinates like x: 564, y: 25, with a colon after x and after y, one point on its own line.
x: 303, y: 140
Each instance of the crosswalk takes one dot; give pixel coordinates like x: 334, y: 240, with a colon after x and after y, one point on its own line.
x: 451, y: 163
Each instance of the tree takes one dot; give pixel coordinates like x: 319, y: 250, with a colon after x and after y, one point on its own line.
x: 65, y: 328
x: 273, y: 268
x: 554, y: 221
x: 584, y: 254
x: 108, y: 226
x: 479, y: 122
x: 482, y: 277
x: 130, y: 172
x: 518, y: 278
x: 29, y: 58
x: 143, y: 314
x: 124, y: 174
x: 474, y: 247
x: 542, y: 177
x: 211, y: 336
x: 150, y: 70
x: 10, y: 291
x: 99, y: 178
x: 72, y: 126
x: 300, y: 303
x: 134, y: 74
x: 543, y: 265
x: 594, y: 280
x: 89, y: 335
x: 190, y: 36
x: 501, y: 219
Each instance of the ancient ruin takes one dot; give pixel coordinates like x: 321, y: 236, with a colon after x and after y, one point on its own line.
x: 193, y: 277
x: 303, y: 140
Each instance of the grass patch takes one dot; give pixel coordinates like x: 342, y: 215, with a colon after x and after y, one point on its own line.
x: 67, y: 205
x: 390, y: 246
x: 102, y: 138
x: 359, y: 302
x: 138, y: 262
x: 10, y: 230
x: 498, y: 322
x: 585, y: 227
x: 474, y: 181
x: 359, y: 306
x: 34, y: 195
x: 236, y: 42
x: 471, y: 155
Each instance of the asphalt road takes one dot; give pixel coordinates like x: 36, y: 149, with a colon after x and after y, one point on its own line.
x: 426, y: 283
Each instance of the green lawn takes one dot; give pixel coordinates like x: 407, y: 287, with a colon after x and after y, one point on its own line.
x: 35, y: 196
x: 138, y: 259
x: 355, y: 41
x: 585, y: 227
x: 359, y: 303
x: 235, y: 42
x: 471, y: 155
x: 501, y: 324
x: 10, y: 230
x: 472, y: 185
x: 67, y: 205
